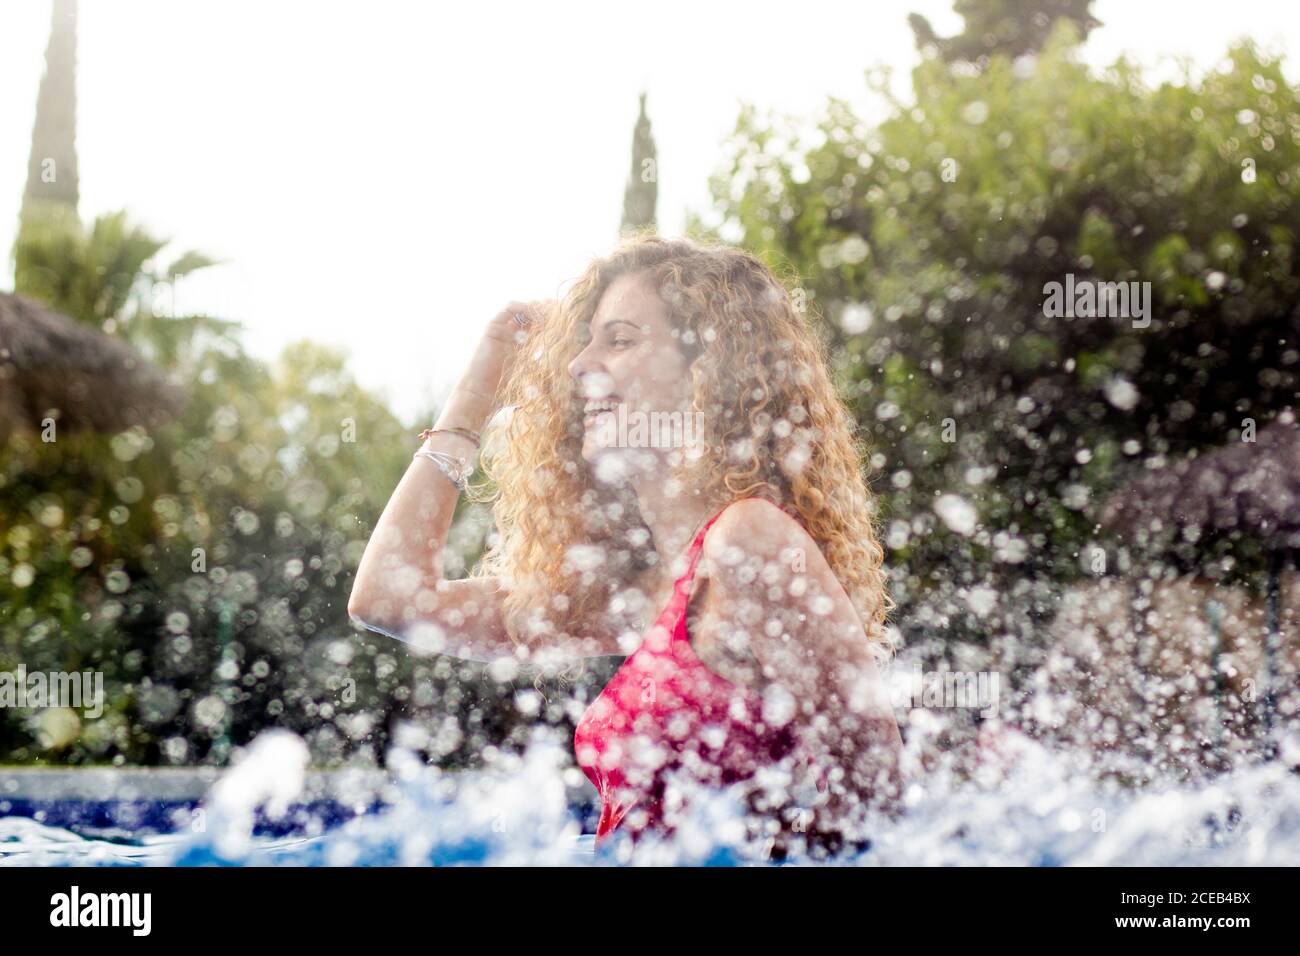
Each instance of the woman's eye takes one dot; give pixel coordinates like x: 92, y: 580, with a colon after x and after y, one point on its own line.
x: 620, y: 343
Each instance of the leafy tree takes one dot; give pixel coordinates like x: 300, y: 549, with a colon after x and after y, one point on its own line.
x: 52, y: 176
x: 928, y: 243
x: 204, y: 566
x: 1001, y: 27
x: 642, y: 190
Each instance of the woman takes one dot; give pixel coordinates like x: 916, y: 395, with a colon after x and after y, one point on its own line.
x: 675, y: 448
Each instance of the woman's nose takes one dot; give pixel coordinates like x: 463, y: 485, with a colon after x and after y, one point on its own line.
x: 581, y: 365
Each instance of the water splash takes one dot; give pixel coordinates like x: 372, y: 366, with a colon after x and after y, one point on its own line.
x: 1019, y: 803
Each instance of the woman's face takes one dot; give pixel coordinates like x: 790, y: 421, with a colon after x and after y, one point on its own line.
x: 632, y: 367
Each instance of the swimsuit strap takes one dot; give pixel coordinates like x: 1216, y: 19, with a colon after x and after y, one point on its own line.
x: 682, y: 587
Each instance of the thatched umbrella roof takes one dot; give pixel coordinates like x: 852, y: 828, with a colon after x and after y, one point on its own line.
x: 1251, y: 489
x: 1248, y: 488
x: 54, y: 366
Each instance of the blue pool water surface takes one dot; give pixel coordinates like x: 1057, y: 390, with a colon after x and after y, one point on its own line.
x: 269, y: 810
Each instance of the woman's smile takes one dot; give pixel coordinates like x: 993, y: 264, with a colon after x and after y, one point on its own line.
x: 594, y: 408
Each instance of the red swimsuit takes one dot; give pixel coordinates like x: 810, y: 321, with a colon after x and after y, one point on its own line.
x: 663, y: 711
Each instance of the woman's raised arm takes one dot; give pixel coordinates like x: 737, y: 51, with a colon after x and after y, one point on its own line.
x: 399, y: 589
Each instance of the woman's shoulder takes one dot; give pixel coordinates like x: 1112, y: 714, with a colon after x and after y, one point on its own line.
x: 755, y: 525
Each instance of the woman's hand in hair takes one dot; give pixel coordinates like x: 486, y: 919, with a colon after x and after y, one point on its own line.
x: 501, y: 342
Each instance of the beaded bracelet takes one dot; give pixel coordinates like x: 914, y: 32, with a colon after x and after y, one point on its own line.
x: 457, y: 470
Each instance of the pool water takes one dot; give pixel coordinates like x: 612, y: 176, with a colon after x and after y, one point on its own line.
x: 24, y: 842
x: 1035, y: 810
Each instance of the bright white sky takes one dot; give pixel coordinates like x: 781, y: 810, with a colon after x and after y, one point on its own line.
x: 383, y: 176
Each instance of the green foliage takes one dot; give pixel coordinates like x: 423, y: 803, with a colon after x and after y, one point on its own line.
x: 1008, y: 28
x: 203, y: 566
x: 87, y: 274
x: 642, y: 192
x: 943, y: 226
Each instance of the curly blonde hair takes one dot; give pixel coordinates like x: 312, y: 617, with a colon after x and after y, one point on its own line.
x: 773, y: 427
